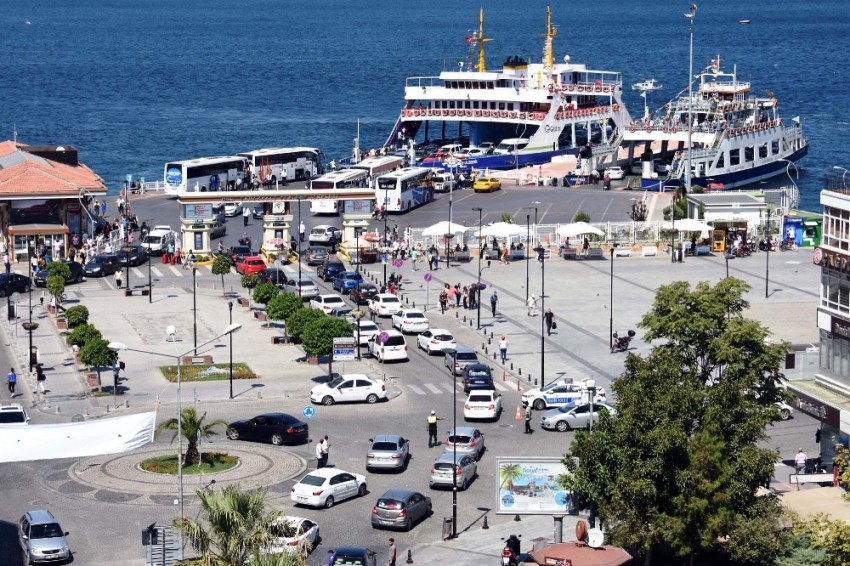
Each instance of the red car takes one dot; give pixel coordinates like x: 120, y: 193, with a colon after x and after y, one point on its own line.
x: 250, y: 264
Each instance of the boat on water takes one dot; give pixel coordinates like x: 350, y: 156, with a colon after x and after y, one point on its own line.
x: 744, y: 22
x: 738, y: 138
x: 519, y: 114
x: 647, y: 85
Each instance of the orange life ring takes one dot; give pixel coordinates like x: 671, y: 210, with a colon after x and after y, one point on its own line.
x: 478, y: 113
x: 504, y: 114
x: 445, y: 112
x: 523, y: 115
x: 598, y: 88
x: 571, y: 87
x: 580, y: 88
x: 631, y: 128
x: 513, y: 114
x: 648, y: 127
x: 616, y: 107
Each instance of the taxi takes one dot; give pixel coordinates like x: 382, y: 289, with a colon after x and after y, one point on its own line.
x: 486, y: 184
x: 560, y: 392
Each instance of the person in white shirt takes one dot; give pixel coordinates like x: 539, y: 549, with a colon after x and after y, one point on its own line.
x: 532, y: 305
x: 800, y: 461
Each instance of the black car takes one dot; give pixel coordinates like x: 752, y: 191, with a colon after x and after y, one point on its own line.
x: 132, y: 255
x: 359, y: 555
x: 258, y: 211
x: 102, y: 265
x: 76, y: 275
x: 238, y: 253
x: 273, y: 275
x: 477, y: 376
x: 362, y: 293
x: 277, y: 428
x: 13, y: 283
x: 330, y: 269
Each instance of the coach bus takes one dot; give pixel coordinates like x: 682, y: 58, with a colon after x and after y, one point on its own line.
x: 281, y: 164
x: 204, y: 174
x: 405, y: 189
x: 343, y: 179
x: 377, y: 166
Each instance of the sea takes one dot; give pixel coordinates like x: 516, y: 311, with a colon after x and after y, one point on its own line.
x: 132, y: 85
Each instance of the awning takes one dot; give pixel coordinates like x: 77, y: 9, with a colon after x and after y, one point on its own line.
x: 36, y: 229
x: 583, y: 555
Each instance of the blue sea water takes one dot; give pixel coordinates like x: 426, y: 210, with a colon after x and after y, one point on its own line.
x: 135, y: 84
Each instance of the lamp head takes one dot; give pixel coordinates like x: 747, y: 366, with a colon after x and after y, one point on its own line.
x: 117, y: 346
x: 231, y: 329
x: 171, y: 330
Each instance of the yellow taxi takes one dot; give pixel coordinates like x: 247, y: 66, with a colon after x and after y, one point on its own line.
x: 486, y: 184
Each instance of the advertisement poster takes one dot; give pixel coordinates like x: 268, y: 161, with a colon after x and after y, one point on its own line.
x: 529, y: 486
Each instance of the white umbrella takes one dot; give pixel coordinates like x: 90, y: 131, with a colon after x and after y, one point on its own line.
x: 443, y: 228
x: 578, y: 229
x: 686, y: 225
x: 501, y: 230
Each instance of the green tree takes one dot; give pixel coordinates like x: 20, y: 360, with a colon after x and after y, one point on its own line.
x: 281, y: 306
x: 249, y: 281
x: 77, y: 315
x: 83, y: 334
x: 298, y: 320
x: 681, y: 463
x: 507, y: 218
x: 192, y: 427
x: 55, y: 286
x: 762, y: 534
x: 264, y: 292
x: 829, y: 535
x: 842, y: 460
x: 96, y: 353
x: 58, y: 269
x: 581, y: 216
x: 221, y: 266
x: 318, y: 335
x: 235, y: 529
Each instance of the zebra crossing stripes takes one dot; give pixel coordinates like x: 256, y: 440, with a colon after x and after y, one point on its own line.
x: 430, y: 388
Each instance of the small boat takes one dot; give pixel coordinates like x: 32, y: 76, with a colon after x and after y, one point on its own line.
x: 744, y: 22
x: 647, y: 85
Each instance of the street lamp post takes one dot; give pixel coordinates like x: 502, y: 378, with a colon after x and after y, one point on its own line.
x: 230, y: 311
x: 299, y: 246
x: 150, y: 277
x: 171, y: 331
x: 690, y: 15
x: 31, y: 244
x: 542, y: 259
x: 454, y: 444
x: 480, y: 253
x: 611, y: 302
x: 449, y: 233
x: 528, y: 242
x: 383, y: 209
x: 195, y: 308
x: 767, y: 253
x: 844, y: 174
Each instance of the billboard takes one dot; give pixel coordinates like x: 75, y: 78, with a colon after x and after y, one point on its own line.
x: 529, y: 486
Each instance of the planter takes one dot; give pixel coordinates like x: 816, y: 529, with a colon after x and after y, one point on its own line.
x: 92, y: 380
x: 313, y: 361
x: 30, y: 326
x: 61, y: 324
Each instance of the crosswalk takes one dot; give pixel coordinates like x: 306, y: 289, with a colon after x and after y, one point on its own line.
x: 439, y: 389
x: 160, y: 271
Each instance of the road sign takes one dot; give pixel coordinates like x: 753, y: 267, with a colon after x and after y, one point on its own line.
x: 309, y: 412
x: 398, y: 262
x: 428, y: 277
x: 383, y: 337
x: 343, y: 349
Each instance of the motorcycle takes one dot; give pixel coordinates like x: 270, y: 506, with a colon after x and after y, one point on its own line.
x: 621, y: 343
x: 510, y: 554
x: 787, y: 244
x: 767, y: 245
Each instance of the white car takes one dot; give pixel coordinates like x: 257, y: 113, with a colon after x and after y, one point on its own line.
x: 468, y: 152
x: 385, y: 304
x: 411, y: 321
x: 349, y: 388
x: 615, y: 173
x: 436, y: 340
x: 482, y: 404
x: 13, y: 414
x: 326, y: 486
x: 157, y: 240
x: 560, y: 392
x: 232, y: 208
x: 327, y: 303
x: 292, y: 535
x: 367, y: 330
x: 571, y: 417
x: 394, y: 348
x: 325, y: 234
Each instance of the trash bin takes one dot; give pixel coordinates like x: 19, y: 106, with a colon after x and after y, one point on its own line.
x: 12, y: 314
x: 679, y: 254
x: 34, y: 356
x: 554, y: 181
x: 447, y: 528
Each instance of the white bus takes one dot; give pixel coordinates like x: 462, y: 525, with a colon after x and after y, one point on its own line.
x: 343, y: 179
x: 204, y: 174
x: 283, y: 164
x: 377, y: 166
x: 405, y: 189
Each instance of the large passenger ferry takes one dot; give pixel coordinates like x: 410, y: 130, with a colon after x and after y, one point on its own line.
x: 520, y: 114
x: 737, y: 137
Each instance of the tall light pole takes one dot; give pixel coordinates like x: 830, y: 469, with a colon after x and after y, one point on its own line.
x: 449, y: 233
x: 528, y: 242
x: 150, y: 260
x: 195, y: 308
x: 541, y: 257
x: 230, y: 311
x: 453, y: 352
x: 171, y: 331
x: 611, y: 304
x: 767, y: 253
x: 299, y: 247
x: 31, y: 245
x: 690, y: 15
x: 480, y: 253
x: 840, y: 169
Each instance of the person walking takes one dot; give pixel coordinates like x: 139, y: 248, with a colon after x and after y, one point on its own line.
x: 800, y: 461
x: 503, y: 348
x: 118, y: 278
x: 11, y: 381
x: 326, y: 448
x: 494, y: 300
x: 531, y: 303
x: 392, y: 550
x: 40, y: 379
x: 301, y: 230
x: 246, y: 214
x: 7, y: 262
x: 414, y: 255
x: 432, y: 428
x: 528, y: 429
x: 549, y: 319
x: 319, y: 456
x: 444, y: 299
x: 585, y: 247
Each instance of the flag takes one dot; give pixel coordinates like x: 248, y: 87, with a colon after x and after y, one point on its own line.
x: 469, y: 39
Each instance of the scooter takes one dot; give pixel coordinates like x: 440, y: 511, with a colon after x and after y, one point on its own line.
x: 510, y: 554
x: 767, y: 245
x: 787, y: 245
x: 621, y: 343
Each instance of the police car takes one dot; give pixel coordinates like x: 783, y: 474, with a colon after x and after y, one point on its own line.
x: 560, y: 392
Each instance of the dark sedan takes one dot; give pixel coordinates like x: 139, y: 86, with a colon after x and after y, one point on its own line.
x: 354, y: 555
x: 477, y: 376
x: 330, y: 269
x: 273, y: 275
x: 102, y: 265
x: 277, y: 428
x: 132, y: 255
x: 76, y: 275
x: 363, y: 293
x: 237, y: 253
x: 13, y: 283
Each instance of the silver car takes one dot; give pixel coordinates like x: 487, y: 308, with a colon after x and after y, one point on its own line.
x: 442, y: 471
x: 573, y: 416
x: 305, y: 286
x: 388, y: 452
x: 42, y: 539
x: 469, y: 440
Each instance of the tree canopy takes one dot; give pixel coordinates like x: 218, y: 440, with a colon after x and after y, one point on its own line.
x: 681, y: 463
x: 192, y: 427
x: 281, y: 306
x: 221, y: 266
x: 298, y: 320
x: 265, y: 292
x: 318, y: 335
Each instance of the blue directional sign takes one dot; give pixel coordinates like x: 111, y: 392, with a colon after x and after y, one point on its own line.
x: 309, y: 412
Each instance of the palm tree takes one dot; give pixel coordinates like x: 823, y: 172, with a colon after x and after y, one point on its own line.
x: 236, y: 530
x: 508, y: 474
x: 191, y: 426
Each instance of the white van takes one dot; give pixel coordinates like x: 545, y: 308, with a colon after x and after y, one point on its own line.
x: 510, y: 146
x: 444, y: 182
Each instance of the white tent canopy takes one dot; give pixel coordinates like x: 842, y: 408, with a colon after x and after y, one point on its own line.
x: 501, y: 230
x: 578, y: 229
x: 686, y: 225
x: 443, y: 228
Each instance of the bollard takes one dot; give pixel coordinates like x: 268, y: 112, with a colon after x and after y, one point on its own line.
x: 518, y: 369
x: 107, y: 409
x: 464, y: 318
x: 504, y: 378
x: 529, y: 378
x: 470, y: 323
x: 517, y: 385
x: 485, y: 526
x: 456, y: 315
x: 494, y: 354
x: 512, y: 366
x: 485, y: 349
x: 126, y: 404
x: 406, y: 301
x: 409, y: 556
x: 535, y: 382
x: 517, y: 519
x: 59, y: 409
x: 482, y: 345
x: 491, y: 335
x: 490, y: 340
x: 414, y: 304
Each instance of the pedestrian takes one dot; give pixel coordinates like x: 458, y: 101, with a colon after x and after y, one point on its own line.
x: 301, y: 230
x: 7, y: 262
x: 799, y: 461
x: 118, y: 278
x: 466, y: 296
x: 319, y: 455
x: 444, y: 299
x: 432, y: 428
x: 414, y: 255
x: 11, y: 380
x: 503, y: 348
x: 392, y: 557
x: 246, y: 214
x: 585, y: 247
x: 458, y: 294
x: 326, y: 447
x: 531, y: 303
x: 528, y: 429
x: 549, y: 319
x: 494, y: 300
x: 103, y: 208
x: 504, y: 254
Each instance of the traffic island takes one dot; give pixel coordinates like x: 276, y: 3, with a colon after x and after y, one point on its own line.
x: 205, y: 372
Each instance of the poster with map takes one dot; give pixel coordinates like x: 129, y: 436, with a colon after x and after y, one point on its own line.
x: 529, y: 486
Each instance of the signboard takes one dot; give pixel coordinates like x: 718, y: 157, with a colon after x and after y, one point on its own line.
x: 359, y: 206
x: 529, y: 486
x: 279, y: 207
x: 343, y: 349
x: 309, y: 412
x: 832, y: 260
x: 198, y: 211
x: 840, y: 328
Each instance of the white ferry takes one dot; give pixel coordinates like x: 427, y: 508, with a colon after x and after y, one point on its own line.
x: 551, y: 108
x: 738, y: 138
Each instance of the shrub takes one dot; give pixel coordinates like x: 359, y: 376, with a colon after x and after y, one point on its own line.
x: 282, y: 305
x: 58, y: 269
x: 221, y: 266
x: 265, y: 292
x: 249, y: 281
x: 299, y: 320
x: 581, y: 216
x: 317, y: 337
x: 77, y: 315
x: 55, y: 285
x: 83, y: 334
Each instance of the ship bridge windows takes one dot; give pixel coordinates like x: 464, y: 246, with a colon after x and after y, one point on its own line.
x: 774, y: 146
x: 749, y: 151
x: 763, y: 151
x: 734, y: 157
